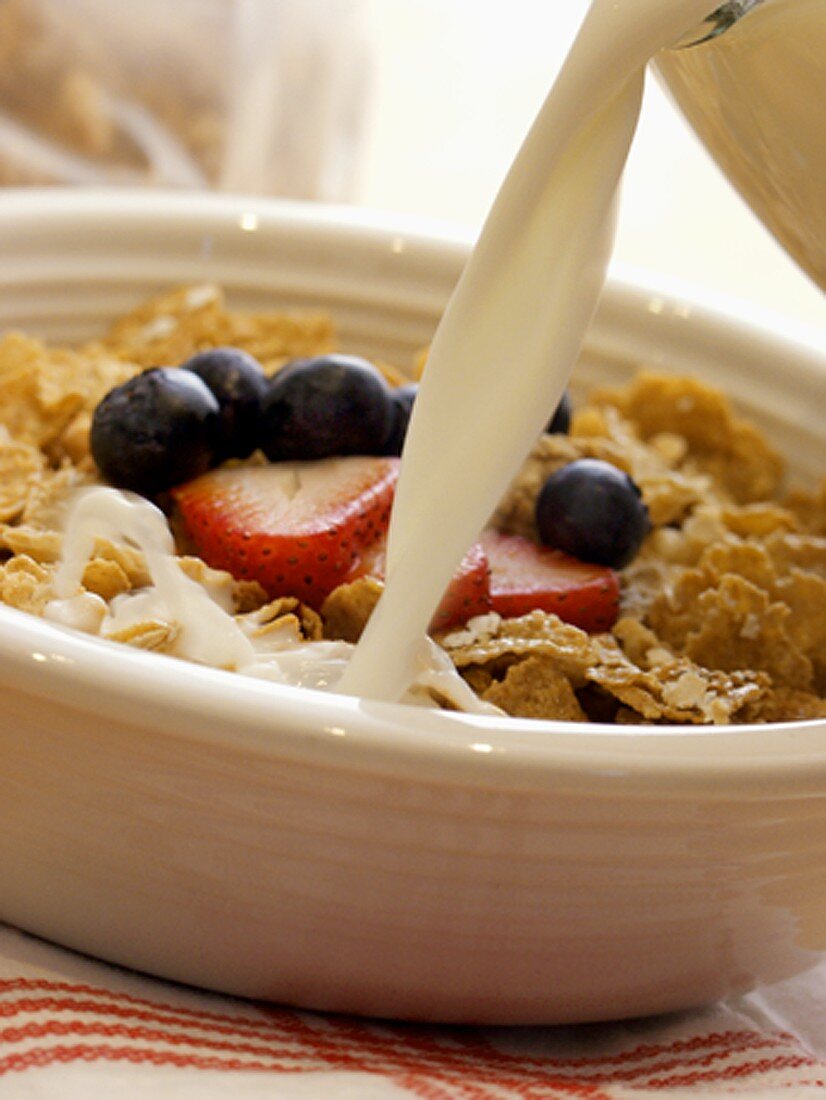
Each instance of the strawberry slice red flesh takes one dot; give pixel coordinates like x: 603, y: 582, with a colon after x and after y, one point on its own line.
x: 303, y: 528
x: 525, y: 577
x: 298, y: 528
x: 467, y: 594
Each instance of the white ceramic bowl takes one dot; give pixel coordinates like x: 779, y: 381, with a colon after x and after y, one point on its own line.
x: 341, y: 854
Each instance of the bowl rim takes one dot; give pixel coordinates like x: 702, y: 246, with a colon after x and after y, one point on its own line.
x: 675, y: 297
x: 53, y: 664
x: 200, y: 703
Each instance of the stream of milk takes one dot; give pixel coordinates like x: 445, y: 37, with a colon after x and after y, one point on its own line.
x: 504, y: 350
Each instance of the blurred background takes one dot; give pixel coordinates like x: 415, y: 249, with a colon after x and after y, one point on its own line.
x: 413, y: 107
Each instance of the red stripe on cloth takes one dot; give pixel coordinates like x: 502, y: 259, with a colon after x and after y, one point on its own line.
x: 295, y: 1056
x: 12, y: 985
x: 397, y: 1065
x: 438, y: 1058
x: 364, y: 1047
x: 547, y: 1090
x: 378, y: 1036
x: 424, y: 1090
x: 419, y: 1085
x: 524, y: 1084
x: 142, y: 1034
x: 431, y: 1063
x: 305, y: 1041
x: 701, y: 1070
x: 90, y: 1007
x: 733, y: 1073
x: 371, y: 1042
x: 272, y: 1018
x: 726, y: 1042
x: 39, y: 1057
x: 286, y: 1024
x: 478, y: 1054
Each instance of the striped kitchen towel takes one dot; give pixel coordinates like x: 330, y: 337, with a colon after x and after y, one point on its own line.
x: 71, y: 1027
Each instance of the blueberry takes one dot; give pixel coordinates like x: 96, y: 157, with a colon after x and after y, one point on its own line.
x: 330, y: 405
x: 593, y: 511
x: 156, y: 430
x: 401, y: 400
x: 239, y: 384
x: 560, y: 422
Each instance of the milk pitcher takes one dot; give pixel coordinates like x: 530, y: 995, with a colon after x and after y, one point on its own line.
x: 751, y: 80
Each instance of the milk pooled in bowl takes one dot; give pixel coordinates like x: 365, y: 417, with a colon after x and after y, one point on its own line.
x: 208, y: 632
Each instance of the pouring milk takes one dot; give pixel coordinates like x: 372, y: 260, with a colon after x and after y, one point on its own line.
x: 512, y: 329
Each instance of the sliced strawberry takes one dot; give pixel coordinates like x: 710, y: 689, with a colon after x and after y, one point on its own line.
x: 468, y: 593
x: 372, y: 561
x: 298, y: 528
x: 525, y: 576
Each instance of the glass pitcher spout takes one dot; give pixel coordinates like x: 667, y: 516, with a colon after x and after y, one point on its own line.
x: 717, y: 22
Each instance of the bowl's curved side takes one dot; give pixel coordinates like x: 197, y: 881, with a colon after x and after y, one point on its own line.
x: 326, y: 885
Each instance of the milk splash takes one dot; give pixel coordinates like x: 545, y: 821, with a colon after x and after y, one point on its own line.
x: 206, y: 630
x: 208, y: 633
x: 510, y: 334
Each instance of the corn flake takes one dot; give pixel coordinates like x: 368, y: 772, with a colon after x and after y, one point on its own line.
x: 26, y: 584
x: 809, y: 508
x: 287, y: 611
x: 672, y: 689
x: 232, y: 595
x: 720, y: 444
x: 105, y: 578
x: 346, y: 610
x: 169, y: 329
x: 785, y: 705
x: 21, y: 467
x: 41, y: 546
x: 535, y: 688
x: 153, y: 635
x: 32, y: 409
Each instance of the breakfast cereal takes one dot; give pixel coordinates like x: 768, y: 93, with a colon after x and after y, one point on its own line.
x: 723, y: 610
